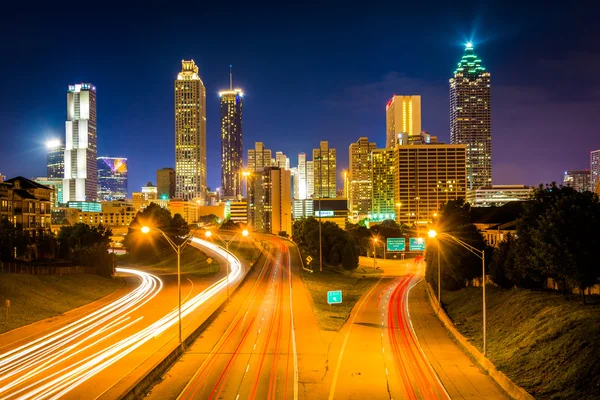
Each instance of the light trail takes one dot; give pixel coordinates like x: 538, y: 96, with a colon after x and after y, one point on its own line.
x: 21, y: 369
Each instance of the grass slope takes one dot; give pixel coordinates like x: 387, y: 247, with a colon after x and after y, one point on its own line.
x: 547, y: 344
x: 33, y: 298
x: 332, y: 317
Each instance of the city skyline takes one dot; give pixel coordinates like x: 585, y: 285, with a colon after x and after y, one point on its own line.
x: 522, y: 99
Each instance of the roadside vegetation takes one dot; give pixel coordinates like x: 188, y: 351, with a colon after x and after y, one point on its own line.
x: 332, y: 317
x: 37, y: 297
x: 546, y: 343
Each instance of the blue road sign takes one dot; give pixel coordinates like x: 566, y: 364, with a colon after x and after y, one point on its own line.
x: 396, y: 244
x: 417, y: 244
x: 334, y: 297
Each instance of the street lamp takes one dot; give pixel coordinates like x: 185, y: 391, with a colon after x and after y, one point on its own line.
x: 209, y: 234
x: 375, y: 240
x: 479, y: 253
x: 246, y: 174
x: 178, y: 249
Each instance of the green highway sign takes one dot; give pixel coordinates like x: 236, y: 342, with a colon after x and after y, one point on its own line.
x: 396, y: 244
x: 417, y: 244
x: 334, y: 297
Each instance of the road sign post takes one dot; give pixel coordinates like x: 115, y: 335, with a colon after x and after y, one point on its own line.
x: 334, y: 297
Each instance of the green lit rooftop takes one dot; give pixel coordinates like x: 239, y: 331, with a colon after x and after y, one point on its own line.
x: 469, y: 64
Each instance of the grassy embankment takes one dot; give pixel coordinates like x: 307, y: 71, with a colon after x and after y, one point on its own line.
x: 546, y: 343
x: 36, y: 297
x: 353, y: 286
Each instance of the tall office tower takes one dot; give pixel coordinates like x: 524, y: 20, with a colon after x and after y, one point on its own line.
x: 112, y: 178
x: 310, y: 179
x: 471, y: 117
x: 295, y: 182
x: 277, y: 199
x: 231, y: 141
x: 165, y: 183
x: 359, y: 200
x: 402, y: 115
x: 426, y: 176
x: 324, y: 164
x: 81, y: 178
x: 302, y: 189
x: 55, y: 165
x: 383, y: 176
x: 258, y: 158
x: 594, y: 170
x: 578, y: 180
x: 190, y: 134
x: 281, y: 161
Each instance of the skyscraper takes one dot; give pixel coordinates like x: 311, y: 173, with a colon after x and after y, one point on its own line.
x: 259, y: 159
x: 190, y: 134
x: 277, y: 199
x: 165, y: 182
x: 382, y: 175
x: 302, y: 189
x: 310, y: 179
x: 231, y: 141
x: 112, y: 178
x: 594, y: 170
x: 577, y: 179
x: 55, y: 165
x: 402, y: 115
x: 324, y: 164
x: 359, y: 201
x: 281, y: 160
x: 471, y: 117
x: 81, y: 178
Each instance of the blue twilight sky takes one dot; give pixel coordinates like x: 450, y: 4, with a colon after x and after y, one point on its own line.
x: 310, y: 72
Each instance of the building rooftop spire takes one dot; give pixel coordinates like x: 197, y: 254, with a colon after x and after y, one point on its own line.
x: 469, y: 64
x: 230, y: 77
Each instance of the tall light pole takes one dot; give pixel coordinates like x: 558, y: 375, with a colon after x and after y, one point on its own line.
x: 481, y: 255
x: 178, y: 249
x: 246, y: 174
x: 208, y: 234
x: 320, y: 223
x: 375, y: 240
x: 433, y: 234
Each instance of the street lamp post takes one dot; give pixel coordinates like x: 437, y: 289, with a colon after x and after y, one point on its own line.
x: 320, y: 212
x: 208, y: 234
x: 375, y: 240
x: 478, y: 253
x: 178, y: 249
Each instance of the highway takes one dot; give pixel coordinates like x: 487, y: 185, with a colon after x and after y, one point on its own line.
x: 381, y: 357
x: 87, y: 357
x: 255, y: 356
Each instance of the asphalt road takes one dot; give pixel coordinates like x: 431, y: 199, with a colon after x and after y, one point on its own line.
x: 381, y: 357
x: 255, y: 355
x: 107, y: 348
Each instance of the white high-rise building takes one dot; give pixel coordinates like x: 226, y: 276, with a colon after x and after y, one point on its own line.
x: 190, y: 134
x: 594, y: 170
x: 302, y: 189
x: 81, y: 177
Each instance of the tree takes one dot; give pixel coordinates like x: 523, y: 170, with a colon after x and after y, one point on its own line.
x: 459, y: 265
x: 350, y: 256
x: 558, y: 236
x: 209, y: 219
x: 7, y: 239
x: 503, y: 266
x: 283, y: 234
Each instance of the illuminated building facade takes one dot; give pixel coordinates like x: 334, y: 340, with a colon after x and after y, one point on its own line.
x: 310, y: 179
x: 578, y: 180
x: 55, y: 166
x: 112, y: 178
x: 426, y: 176
x: 231, y: 141
x: 402, y: 115
x: 359, y: 195
x: 498, y: 195
x: 301, y: 187
x: 382, y: 177
x: 80, y: 176
x: 259, y: 159
x: 471, y: 117
x: 165, y: 183
x: 277, y: 198
x: 56, y: 185
x: 325, y: 173
x: 281, y: 160
x: 594, y: 170
x: 190, y: 134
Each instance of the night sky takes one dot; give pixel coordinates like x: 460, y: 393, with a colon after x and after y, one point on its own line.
x: 309, y: 73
